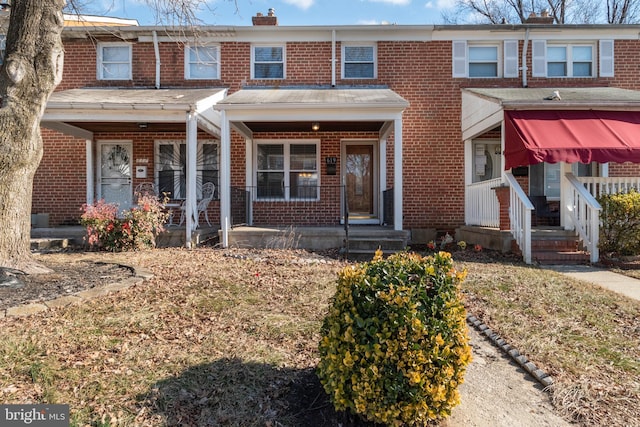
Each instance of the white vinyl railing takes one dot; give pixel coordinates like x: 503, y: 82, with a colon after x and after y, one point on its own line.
x: 482, y: 207
x: 584, y: 211
x: 520, y: 216
x: 598, y: 185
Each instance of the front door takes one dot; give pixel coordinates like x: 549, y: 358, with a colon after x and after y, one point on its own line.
x: 114, y: 169
x: 359, y: 181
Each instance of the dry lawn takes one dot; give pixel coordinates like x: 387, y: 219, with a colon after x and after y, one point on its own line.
x: 215, y: 339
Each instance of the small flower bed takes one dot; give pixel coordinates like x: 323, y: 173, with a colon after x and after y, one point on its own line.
x: 136, y: 229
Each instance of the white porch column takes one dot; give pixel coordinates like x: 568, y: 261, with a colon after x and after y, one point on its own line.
x: 191, y: 171
x: 565, y: 189
x: 90, y: 172
x: 382, y: 168
x: 225, y: 179
x: 397, y: 174
x: 248, y: 176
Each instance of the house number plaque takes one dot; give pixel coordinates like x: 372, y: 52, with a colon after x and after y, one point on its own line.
x: 331, y: 163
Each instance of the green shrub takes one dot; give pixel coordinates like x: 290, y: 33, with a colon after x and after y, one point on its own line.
x: 620, y: 230
x: 394, y: 345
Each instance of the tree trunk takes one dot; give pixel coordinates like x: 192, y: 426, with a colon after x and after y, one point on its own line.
x: 31, y: 71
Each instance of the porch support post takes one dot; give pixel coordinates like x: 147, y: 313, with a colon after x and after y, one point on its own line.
x: 225, y: 179
x: 382, y: 168
x: 90, y: 173
x: 397, y: 174
x: 248, y: 177
x: 191, y: 171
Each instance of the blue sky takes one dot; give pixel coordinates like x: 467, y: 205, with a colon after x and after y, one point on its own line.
x: 295, y: 12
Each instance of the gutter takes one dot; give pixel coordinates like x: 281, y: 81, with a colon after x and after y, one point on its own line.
x: 157, y: 53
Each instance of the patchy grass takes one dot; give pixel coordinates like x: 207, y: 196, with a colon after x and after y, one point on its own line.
x: 222, y: 340
x: 586, y: 337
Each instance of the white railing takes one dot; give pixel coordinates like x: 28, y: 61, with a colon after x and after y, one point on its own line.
x: 584, y: 211
x: 520, y: 216
x: 598, y: 185
x: 482, y: 207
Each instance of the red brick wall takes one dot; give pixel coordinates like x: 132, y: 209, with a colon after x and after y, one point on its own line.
x: 433, y: 150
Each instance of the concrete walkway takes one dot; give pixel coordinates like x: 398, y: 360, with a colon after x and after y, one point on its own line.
x: 613, y: 281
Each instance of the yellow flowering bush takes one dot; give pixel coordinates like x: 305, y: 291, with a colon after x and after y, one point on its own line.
x: 394, y: 345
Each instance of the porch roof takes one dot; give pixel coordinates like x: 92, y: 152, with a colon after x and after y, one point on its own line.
x: 557, y: 125
x: 97, y: 109
x: 313, y: 98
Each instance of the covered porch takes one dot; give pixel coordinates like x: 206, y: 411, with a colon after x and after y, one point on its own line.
x: 127, y: 133
x: 563, y: 147
x: 312, y: 157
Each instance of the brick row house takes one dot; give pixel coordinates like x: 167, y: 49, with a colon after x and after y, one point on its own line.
x: 422, y: 130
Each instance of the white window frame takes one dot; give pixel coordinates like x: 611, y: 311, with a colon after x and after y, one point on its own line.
x: 570, y: 61
x: 209, y: 64
x: 506, y: 63
x: 101, y: 63
x: 497, y: 61
x: 283, y: 62
x: 176, y: 166
x: 374, y: 62
x: 287, y: 168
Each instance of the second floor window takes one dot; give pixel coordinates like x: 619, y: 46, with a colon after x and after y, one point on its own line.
x: 483, y: 61
x: 569, y: 61
x: 114, y: 61
x: 202, y: 62
x: 268, y: 62
x: 358, y: 62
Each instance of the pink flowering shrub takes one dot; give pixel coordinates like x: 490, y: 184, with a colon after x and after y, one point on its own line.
x: 136, y: 229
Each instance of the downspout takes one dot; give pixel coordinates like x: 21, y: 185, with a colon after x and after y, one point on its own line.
x: 524, y: 67
x: 333, y: 58
x: 157, y: 52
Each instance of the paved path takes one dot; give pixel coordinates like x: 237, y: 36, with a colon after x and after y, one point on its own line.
x: 613, y: 281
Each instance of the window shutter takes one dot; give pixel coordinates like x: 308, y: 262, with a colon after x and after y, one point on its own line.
x: 459, y: 58
x: 539, y: 58
x: 511, y: 58
x: 606, y: 58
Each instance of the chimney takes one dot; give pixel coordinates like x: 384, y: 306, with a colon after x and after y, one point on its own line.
x: 270, y: 19
x: 544, y: 18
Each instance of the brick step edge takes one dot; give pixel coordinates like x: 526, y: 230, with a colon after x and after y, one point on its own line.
x: 555, y: 257
x: 542, y: 377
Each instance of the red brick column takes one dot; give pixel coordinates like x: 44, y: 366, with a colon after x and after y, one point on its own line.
x: 504, y: 199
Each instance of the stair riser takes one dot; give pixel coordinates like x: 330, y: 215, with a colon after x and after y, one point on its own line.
x: 554, y: 245
x: 370, y: 245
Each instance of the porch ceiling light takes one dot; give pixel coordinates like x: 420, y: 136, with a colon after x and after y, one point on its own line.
x: 315, y: 126
x: 143, y: 125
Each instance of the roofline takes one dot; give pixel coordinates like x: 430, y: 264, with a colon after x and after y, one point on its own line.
x: 383, y: 28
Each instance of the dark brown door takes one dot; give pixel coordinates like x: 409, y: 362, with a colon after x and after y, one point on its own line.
x: 359, y: 180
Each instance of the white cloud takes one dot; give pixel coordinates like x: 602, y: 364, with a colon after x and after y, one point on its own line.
x: 440, y: 4
x: 368, y: 22
x: 302, y: 4
x: 395, y: 2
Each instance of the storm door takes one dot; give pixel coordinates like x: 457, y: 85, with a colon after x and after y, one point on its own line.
x: 359, y: 179
x: 114, y: 173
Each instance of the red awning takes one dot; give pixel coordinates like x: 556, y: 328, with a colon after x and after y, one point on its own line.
x: 535, y: 136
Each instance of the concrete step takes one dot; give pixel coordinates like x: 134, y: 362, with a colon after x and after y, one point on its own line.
x: 557, y: 257
x: 46, y: 243
x: 371, y: 244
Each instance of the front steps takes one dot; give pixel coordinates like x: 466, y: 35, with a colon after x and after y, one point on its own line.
x: 554, y: 245
x: 364, y: 241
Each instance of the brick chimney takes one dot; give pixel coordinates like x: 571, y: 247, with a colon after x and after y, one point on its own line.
x: 270, y: 19
x: 544, y: 18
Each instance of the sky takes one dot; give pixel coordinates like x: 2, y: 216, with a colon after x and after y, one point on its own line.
x: 294, y: 12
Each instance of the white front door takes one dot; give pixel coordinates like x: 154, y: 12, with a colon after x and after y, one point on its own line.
x: 114, y: 173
